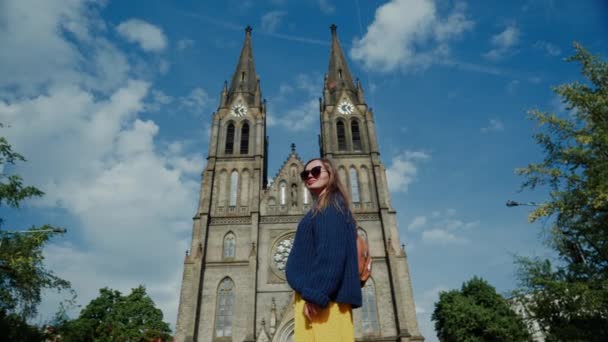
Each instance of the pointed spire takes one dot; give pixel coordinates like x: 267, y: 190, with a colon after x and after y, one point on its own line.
x: 245, y: 79
x: 338, y: 75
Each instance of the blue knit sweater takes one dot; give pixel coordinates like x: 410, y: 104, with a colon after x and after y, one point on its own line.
x: 323, y: 265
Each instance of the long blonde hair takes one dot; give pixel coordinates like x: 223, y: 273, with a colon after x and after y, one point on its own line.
x: 333, y: 191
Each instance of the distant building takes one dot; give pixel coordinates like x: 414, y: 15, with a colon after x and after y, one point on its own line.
x: 533, y: 326
x: 233, y: 286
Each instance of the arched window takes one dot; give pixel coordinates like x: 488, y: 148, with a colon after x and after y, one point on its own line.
x: 229, y: 139
x: 341, y: 136
x: 223, y: 311
x: 369, y: 310
x: 223, y: 188
x: 244, y: 194
x: 365, y: 188
x: 229, y: 245
x: 245, y: 138
x: 234, y: 186
x: 354, y: 129
x: 294, y: 195
x: 305, y: 194
x: 354, y: 186
x: 343, y: 175
x: 283, y: 187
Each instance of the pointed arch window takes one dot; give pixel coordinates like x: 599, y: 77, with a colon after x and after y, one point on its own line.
x: 222, y: 188
x: 283, y: 188
x: 365, y: 188
x: 356, y: 134
x: 229, y: 245
x: 354, y: 186
x: 223, y: 310
x: 229, y: 148
x: 305, y: 194
x: 341, y: 136
x: 244, y: 187
x: 245, y: 138
x: 234, y: 186
x: 369, y: 309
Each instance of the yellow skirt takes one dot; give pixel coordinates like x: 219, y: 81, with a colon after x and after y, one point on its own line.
x: 332, y: 324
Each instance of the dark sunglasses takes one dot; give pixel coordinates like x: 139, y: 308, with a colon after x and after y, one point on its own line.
x: 315, y: 172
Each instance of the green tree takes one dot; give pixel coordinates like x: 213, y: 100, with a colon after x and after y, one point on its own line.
x: 568, y: 296
x: 114, y: 317
x: 23, y: 275
x: 477, y: 313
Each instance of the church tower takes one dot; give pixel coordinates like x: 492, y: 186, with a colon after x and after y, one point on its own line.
x: 218, y: 291
x: 348, y: 138
x: 233, y: 286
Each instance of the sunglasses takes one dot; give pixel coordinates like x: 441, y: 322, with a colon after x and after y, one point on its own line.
x: 315, y: 172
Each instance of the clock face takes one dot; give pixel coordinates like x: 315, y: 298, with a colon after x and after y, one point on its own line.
x: 345, y: 107
x: 239, y: 110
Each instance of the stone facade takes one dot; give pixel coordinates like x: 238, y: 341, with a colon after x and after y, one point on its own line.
x: 233, y: 286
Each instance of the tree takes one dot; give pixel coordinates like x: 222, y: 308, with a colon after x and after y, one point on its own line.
x: 477, y: 313
x: 568, y: 296
x: 114, y: 317
x: 23, y: 274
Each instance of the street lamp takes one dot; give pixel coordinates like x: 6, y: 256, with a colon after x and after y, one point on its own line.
x: 511, y: 203
x: 576, y: 253
x: 47, y: 230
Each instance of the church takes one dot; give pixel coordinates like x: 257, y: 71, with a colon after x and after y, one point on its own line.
x: 233, y: 286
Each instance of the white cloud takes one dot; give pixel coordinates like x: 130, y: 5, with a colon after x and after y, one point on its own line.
x: 494, y: 125
x: 299, y: 118
x: 195, y: 101
x: 409, y: 34
x: 326, y: 7
x: 417, y: 222
x: 158, y: 100
x: 549, y: 48
x: 305, y: 113
x: 512, y: 86
x: 183, y: 44
x: 403, y: 170
x: 443, y: 227
x: 272, y: 20
x: 148, y: 36
x: 503, y: 43
x: 441, y: 236
x: 163, y: 66
x: 31, y: 29
x: 97, y: 160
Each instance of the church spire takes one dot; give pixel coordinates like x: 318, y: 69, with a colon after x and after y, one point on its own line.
x: 245, y: 79
x: 338, y: 76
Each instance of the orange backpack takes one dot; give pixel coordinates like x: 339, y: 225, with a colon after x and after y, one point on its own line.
x: 365, y: 260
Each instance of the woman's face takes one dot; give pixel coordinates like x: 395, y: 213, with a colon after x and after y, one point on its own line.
x: 316, y: 185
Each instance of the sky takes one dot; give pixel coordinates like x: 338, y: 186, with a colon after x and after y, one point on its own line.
x: 111, y: 103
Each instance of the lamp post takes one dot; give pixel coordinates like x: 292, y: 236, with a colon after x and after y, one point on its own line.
x: 576, y: 253
x: 48, y: 230
x: 511, y: 203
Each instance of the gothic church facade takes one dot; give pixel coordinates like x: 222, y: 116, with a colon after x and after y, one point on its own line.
x: 233, y: 286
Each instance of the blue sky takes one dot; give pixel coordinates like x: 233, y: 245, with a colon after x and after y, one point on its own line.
x: 111, y: 103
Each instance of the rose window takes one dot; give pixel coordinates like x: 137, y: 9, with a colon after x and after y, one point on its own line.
x: 280, y: 253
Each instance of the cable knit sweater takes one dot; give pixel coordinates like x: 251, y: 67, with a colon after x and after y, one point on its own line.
x: 322, y: 265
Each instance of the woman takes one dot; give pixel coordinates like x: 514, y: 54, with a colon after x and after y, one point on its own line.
x: 322, y: 267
